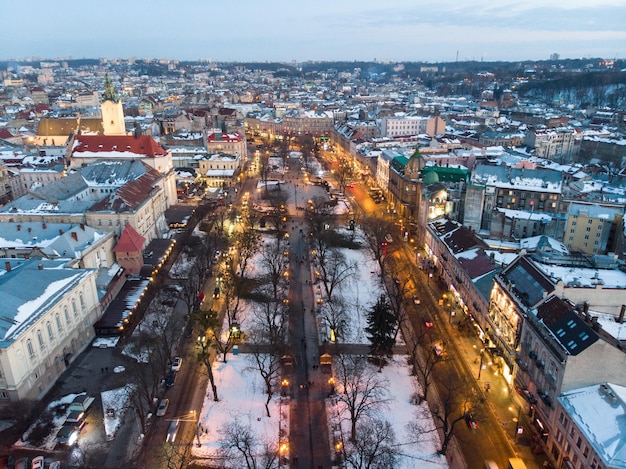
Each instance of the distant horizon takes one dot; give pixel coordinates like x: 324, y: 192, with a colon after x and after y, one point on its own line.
x: 284, y: 62
x: 284, y: 31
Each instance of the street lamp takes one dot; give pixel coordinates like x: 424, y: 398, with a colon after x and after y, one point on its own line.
x: 430, y: 275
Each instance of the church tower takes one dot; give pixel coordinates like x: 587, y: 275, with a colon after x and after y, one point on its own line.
x: 112, y: 111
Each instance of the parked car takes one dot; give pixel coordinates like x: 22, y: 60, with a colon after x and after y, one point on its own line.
x: 216, y: 292
x: 170, y: 379
x: 471, y: 421
x: 177, y: 363
x: 438, y: 350
x: 162, y: 407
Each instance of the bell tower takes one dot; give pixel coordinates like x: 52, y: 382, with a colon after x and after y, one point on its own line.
x: 112, y: 110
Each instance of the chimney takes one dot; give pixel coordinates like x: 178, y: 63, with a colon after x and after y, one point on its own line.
x: 75, y: 236
x: 40, y: 267
x: 19, y: 227
x: 7, y: 266
x: 82, y: 226
x: 30, y: 229
x: 586, y: 307
x: 43, y: 225
x: 622, y: 311
x: 60, y: 232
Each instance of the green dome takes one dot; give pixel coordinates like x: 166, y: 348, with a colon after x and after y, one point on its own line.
x: 429, y: 177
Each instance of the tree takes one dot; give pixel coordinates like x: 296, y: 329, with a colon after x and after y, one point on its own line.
x: 359, y: 387
x: 377, y: 230
x: 335, y: 316
x: 381, y: 328
x: 208, y: 323
x: 247, y: 243
x: 335, y: 271
x: 456, y: 399
x: 423, y: 359
x: 241, y: 448
x: 268, y: 365
x: 398, y: 289
x: 274, y: 263
x: 373, y: 447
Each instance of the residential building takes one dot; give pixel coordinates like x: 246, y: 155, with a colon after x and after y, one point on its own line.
x: 594, y: 228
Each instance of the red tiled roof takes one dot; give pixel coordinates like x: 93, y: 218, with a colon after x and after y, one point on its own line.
x: 142, y: 145
x: 130, y: 240
x: 235, y: 137
x: 4, y: 133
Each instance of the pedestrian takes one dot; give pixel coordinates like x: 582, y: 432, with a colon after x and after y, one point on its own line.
x: 102, y: 370
x: 107, y: 369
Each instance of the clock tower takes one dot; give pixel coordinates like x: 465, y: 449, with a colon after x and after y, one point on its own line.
x: 112, y: 111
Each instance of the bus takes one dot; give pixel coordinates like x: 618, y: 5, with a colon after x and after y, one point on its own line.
x: 516, y: 463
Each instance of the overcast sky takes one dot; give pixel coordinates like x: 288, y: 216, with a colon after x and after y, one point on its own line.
x: 286, y: 30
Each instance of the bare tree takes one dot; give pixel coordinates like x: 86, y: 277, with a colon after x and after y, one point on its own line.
x: 335, y: 315
x: 373, y: 447
x: 240, y: 446
x: 399, y: 289
x: 335, y: 270
x: 359, y: 387
x: 247, y: 243
x: 174, y: 456
x: 456, y: 399
x: 207, y: 322
x: 277, y: 210
x: 423, y: 359
x: 377, y: 230
x: 274, y: 263
x: 268, y: 365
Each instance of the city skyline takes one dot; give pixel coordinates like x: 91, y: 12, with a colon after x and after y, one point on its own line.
x: 282, y: 31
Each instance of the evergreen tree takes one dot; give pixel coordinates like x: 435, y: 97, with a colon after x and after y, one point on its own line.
x: 381, y: 327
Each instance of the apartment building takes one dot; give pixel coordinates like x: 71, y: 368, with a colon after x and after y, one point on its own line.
x: 560, y: 144
x: 594, y: 229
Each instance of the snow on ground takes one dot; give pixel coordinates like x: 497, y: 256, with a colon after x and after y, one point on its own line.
x: 114, y: 404
x: 242, y: 396
x: 415, y: 450
x: 242, y: 399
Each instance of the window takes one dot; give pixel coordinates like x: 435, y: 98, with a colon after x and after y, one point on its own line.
x: 29, y: 347
x: 588, y: 229
x: 42, y: 344
x: 579, y: 441
x: 4, y: 395
x: 57, y: 318
x: 49, y: 330
x: 589, y: 221
x: 586, y: 451
x: 598, y: 235
x: 81, y: 300
x: 74, y: 310
x: 68, y: 321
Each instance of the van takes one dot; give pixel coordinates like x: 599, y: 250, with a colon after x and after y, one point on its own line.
x: 516, y: 463
x: 172, y: 431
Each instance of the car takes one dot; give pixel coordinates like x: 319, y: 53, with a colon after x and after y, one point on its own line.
x: 172, y: 430
x: 216, y: 292
x: 170, y: 379
x: 37, y: 463
x: 428, y: 323
x: 162, y: 407
x: 526, y: 394
x: 351, y: 185
x: 438, y: 350
x: 389, y: 238
x: 55, y: 465
x: 176, y: 364
x: 471, y: 422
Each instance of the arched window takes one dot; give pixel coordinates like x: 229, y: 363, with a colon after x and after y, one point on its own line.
x: 30, y: 349
x: 74, y: 309
x: 57, y: 318
x: 42, y: 344
x: 81, y: 299
x: 49, y: 330
x: 68, y: 321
